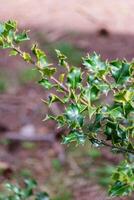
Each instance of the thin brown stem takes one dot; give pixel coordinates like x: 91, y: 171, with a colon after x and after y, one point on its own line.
x: 121, y: 149
x: 52, y: 77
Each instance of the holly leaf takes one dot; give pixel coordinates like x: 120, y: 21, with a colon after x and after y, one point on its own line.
x: 124, y: 96
x: 91, y: 111
x: 95, y: 126
x: 120, y: 71
x: 115, y: 112
x: 91, y: 93
x: 42, y: 196
x: 47, y: 71
x: 54, y: 98
x: 41, y: 57
x: 115, y: 133
x: 93, y: 63
x: 13, y: 53
x: 61, y: 57
x: 74, y: 136
x: 122, y: 180
x: 26, y: 57
x: 45, y: 83
x: 10, y: 25
x: 74, y: 77
x: 73, y: 116
x: 21, y: 37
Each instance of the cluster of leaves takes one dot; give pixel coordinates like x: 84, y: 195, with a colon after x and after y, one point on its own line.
x: 17, y: 192
x: 84, y: 94
x: 123, y: 180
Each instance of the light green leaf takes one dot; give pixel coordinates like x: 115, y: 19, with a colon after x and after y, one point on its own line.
x: 91, y: 111
x: 13, y: 53
x: 47, y: 72
x: 61, y: 57
x: 45, y: 83
x: 21, y: 37
x: 26, y: 57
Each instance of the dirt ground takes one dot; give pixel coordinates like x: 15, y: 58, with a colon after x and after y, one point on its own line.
x: 89, y: 25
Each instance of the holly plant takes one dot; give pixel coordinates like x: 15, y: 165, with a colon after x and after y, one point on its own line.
x: 97, y: 100
x: 25, y: 192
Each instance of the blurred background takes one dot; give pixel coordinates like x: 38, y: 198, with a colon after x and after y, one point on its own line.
x: 28, y: 146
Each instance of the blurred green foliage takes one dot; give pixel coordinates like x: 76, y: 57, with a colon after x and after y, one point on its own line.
x: 3, y: 85
x: 74, y: 54
x: 27, y: 75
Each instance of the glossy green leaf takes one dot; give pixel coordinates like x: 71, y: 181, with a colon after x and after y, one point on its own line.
x: 74, y: 77
x: 120, y: 71
x: 73, y: 116
x: 42, y: 196
x: 93, y: 63
x: 123, y: 180
x: 10, y: 25
x: 116, y: 133
x: 74, y: 136
x: 91, y: 93
x: 95, y: 126
x: 124, y: 96
x: 21, y: 37
x: 115, y: 112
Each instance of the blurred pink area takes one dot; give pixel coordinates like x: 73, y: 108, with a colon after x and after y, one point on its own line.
x: 71, y: 15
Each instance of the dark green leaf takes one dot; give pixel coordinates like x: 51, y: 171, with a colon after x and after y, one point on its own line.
x: 95, y: 126
x: 120, y: 71
x: 94, y: 63
x: 73, y: 116
x: 74, y: 136
x: 116, y: 133
x: 42, y: 196
x: 74, y: 77
x: 91, y: 93
x: 115, y: 112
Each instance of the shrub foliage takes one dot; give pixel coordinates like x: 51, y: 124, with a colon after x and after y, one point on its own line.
x: 29, y: 190
x: 84, y: 93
